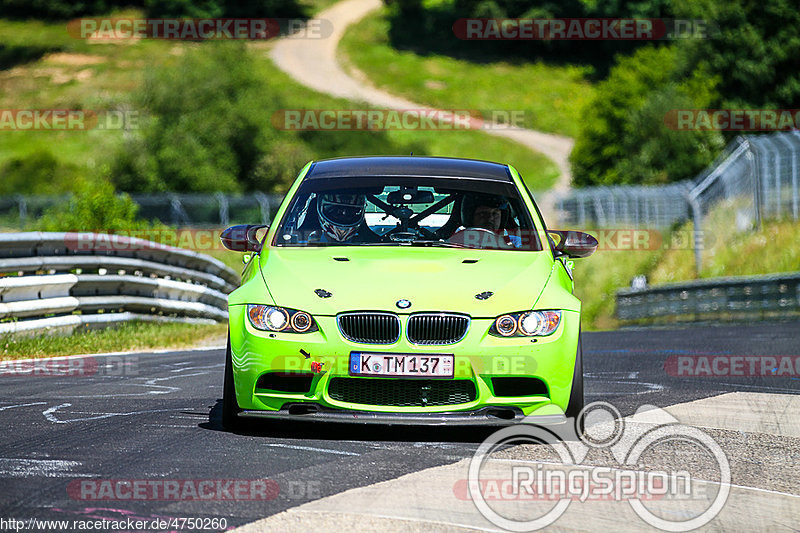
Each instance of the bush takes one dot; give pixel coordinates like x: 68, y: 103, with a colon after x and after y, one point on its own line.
x: 276, y: 169
x: 224, y: 8
x: 624, y: 138
x: 208, y: 127
x: 37, y: 173
x: 94, y: 207
x: 756, y: 53
x: 61, y: 9
x: 66, y: 9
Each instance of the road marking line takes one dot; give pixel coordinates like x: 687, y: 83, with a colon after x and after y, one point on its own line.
x: 312, y: 449
x: 49, y: 414
x: 21, y: 405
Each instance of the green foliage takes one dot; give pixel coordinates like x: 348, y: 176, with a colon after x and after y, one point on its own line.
x: 279, y: 166
x: 37, y: 173
x: 13, y: 54
x: 125, y: 337
x: 223, y: 8
x: 94, y: 207
x: 756, y: 52
x: 208, y: 128
x: 747, y: 62
x: 60, y: 9
x: 623, y: 136
x: 66, y: 9
x: 185, y: 8
x: 429, y: 30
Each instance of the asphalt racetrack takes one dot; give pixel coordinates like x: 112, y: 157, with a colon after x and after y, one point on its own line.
x: 156, y: 418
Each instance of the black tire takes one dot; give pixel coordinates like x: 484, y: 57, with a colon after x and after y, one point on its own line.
x: 230, y: 408
x: 575, y: 405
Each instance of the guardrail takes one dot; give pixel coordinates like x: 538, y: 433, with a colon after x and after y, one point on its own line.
x: 64, y: 280
x: 718, y: 298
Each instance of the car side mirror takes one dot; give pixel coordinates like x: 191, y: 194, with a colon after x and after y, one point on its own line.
x: 574, y: 244
x: 242, y: 238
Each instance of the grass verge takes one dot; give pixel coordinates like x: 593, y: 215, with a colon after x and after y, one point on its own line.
x: 132, y: 336
x: 773, y: 249
x: 551, y: 96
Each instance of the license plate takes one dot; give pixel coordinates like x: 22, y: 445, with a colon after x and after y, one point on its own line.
x: 406, y: 365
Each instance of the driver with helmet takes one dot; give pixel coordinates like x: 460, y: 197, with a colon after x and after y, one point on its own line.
x: 488, y: 212
x: 341, y: 218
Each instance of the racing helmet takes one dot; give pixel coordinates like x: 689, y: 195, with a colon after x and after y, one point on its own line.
x: 471, y: 201
x: 340, y: 215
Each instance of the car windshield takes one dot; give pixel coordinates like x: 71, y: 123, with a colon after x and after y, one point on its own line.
x: 397, y: 211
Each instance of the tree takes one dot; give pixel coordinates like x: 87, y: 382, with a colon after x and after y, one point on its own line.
x: 624, y: 138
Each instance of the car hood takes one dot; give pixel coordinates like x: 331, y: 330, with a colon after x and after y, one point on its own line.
x: 433, y: 279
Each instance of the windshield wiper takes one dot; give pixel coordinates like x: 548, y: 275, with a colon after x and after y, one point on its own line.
x: 440, y: 244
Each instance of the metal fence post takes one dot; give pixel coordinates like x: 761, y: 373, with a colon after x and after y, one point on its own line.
x: 224, y: 219
x: 756, y: 174
x: 777, y: 154
x: 23, y: 209
x: 263, y: 202
x: 793, y: 148
x: 697, y: 218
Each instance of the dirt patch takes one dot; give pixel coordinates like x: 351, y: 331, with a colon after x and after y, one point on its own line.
x: 73, y: 59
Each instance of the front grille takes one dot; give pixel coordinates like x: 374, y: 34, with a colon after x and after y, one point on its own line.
x: 402, y: 392
x: 436, y: 328
x: 370, y: 328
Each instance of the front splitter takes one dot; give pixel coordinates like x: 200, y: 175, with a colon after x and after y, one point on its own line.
x: 486, y: 416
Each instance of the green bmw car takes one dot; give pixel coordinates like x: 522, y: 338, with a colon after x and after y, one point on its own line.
x: 405, y: 290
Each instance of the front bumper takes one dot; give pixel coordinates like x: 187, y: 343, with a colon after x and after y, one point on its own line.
x: 479, y: 357
x: 486, y: 416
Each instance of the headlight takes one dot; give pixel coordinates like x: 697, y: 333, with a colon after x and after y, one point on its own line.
x: 526, y: 324
x: 506, y: 325
x: 271, y: 318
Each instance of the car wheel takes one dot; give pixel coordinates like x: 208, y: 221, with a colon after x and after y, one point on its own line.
x: 230, y: 408
x: 575, y: 405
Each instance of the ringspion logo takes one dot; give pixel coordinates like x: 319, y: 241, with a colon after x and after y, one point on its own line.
x: 548, y: 488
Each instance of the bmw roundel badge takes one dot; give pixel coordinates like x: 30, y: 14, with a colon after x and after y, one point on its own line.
x: 403, y: 304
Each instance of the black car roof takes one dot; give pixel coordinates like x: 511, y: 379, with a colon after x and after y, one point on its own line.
x: 445, y: 167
